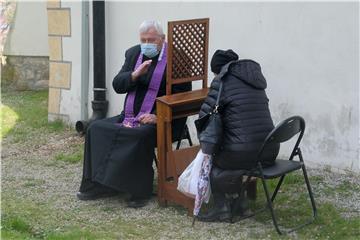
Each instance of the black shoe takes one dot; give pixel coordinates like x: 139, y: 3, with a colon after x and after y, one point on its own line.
x: 96, y: 193
x: 137, y: 202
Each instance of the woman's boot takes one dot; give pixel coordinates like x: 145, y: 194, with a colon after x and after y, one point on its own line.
x: 221, y: 211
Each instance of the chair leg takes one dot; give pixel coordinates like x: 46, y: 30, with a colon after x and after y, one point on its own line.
x: 313, y: 205
x: 269, y: 203
x: 312, y: 202
x: 187, y: 134
x: 178, y: 144
x: 189, y: 139
x: 277, y: 188
x: 182, y: 136
x: 156, y: 160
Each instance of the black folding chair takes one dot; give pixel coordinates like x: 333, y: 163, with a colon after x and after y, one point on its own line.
x: 283, y: 132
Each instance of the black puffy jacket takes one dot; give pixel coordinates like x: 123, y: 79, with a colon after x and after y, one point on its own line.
x: 243, y: 107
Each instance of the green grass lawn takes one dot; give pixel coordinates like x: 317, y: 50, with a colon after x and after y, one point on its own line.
x: 41, y: 168
x: 24, y: 114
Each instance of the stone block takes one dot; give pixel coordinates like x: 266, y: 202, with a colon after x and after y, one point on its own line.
x: 59, y: 22
x: 60, y: 75
x: 55, y: 48
x: 53, y: 3
x: 54, y: 100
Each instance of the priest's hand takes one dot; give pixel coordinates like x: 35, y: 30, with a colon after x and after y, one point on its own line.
x: 147, y: 118
x: 142, y: 69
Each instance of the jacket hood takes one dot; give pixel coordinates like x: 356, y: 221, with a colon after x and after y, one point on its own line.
x: 249, y: 72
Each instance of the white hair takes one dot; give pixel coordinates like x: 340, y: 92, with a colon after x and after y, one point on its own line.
x: 147, y: 24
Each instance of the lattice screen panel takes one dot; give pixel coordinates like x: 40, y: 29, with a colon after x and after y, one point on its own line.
x: 187, y: 51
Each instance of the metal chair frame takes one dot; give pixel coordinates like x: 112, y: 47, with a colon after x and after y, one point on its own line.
x: 283, y: 132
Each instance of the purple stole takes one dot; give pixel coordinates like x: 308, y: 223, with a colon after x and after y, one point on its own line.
x: 130, y: 119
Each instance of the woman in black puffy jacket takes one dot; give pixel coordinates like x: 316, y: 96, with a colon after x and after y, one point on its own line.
x: 246, y: 122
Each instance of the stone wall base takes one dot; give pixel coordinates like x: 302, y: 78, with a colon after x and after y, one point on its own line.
x: 25, y: 73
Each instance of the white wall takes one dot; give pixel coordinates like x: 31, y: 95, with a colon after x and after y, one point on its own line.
x: 70, y: 103
x: 309, y: 54
x: 29, y: 33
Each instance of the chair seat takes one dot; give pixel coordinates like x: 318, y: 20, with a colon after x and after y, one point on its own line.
x: 280, y: 168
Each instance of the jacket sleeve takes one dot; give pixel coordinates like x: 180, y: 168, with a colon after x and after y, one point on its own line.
x: 122, y: 82
x: 210, y: 100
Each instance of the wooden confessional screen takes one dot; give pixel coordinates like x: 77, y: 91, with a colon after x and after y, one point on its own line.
x: 188, y: 43
x: 187, y: 61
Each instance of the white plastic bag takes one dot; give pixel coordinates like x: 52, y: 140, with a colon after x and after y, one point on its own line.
x: 188, y: 180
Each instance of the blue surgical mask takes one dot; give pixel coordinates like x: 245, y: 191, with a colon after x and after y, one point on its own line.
x: 149, y: 49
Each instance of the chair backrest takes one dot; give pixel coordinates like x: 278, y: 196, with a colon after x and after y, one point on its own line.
x: 283, y: 132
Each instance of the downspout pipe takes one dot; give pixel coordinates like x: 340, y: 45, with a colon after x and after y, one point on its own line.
x: 99, y: 104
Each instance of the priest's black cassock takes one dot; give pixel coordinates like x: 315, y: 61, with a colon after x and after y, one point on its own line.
x: 119, y: 157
